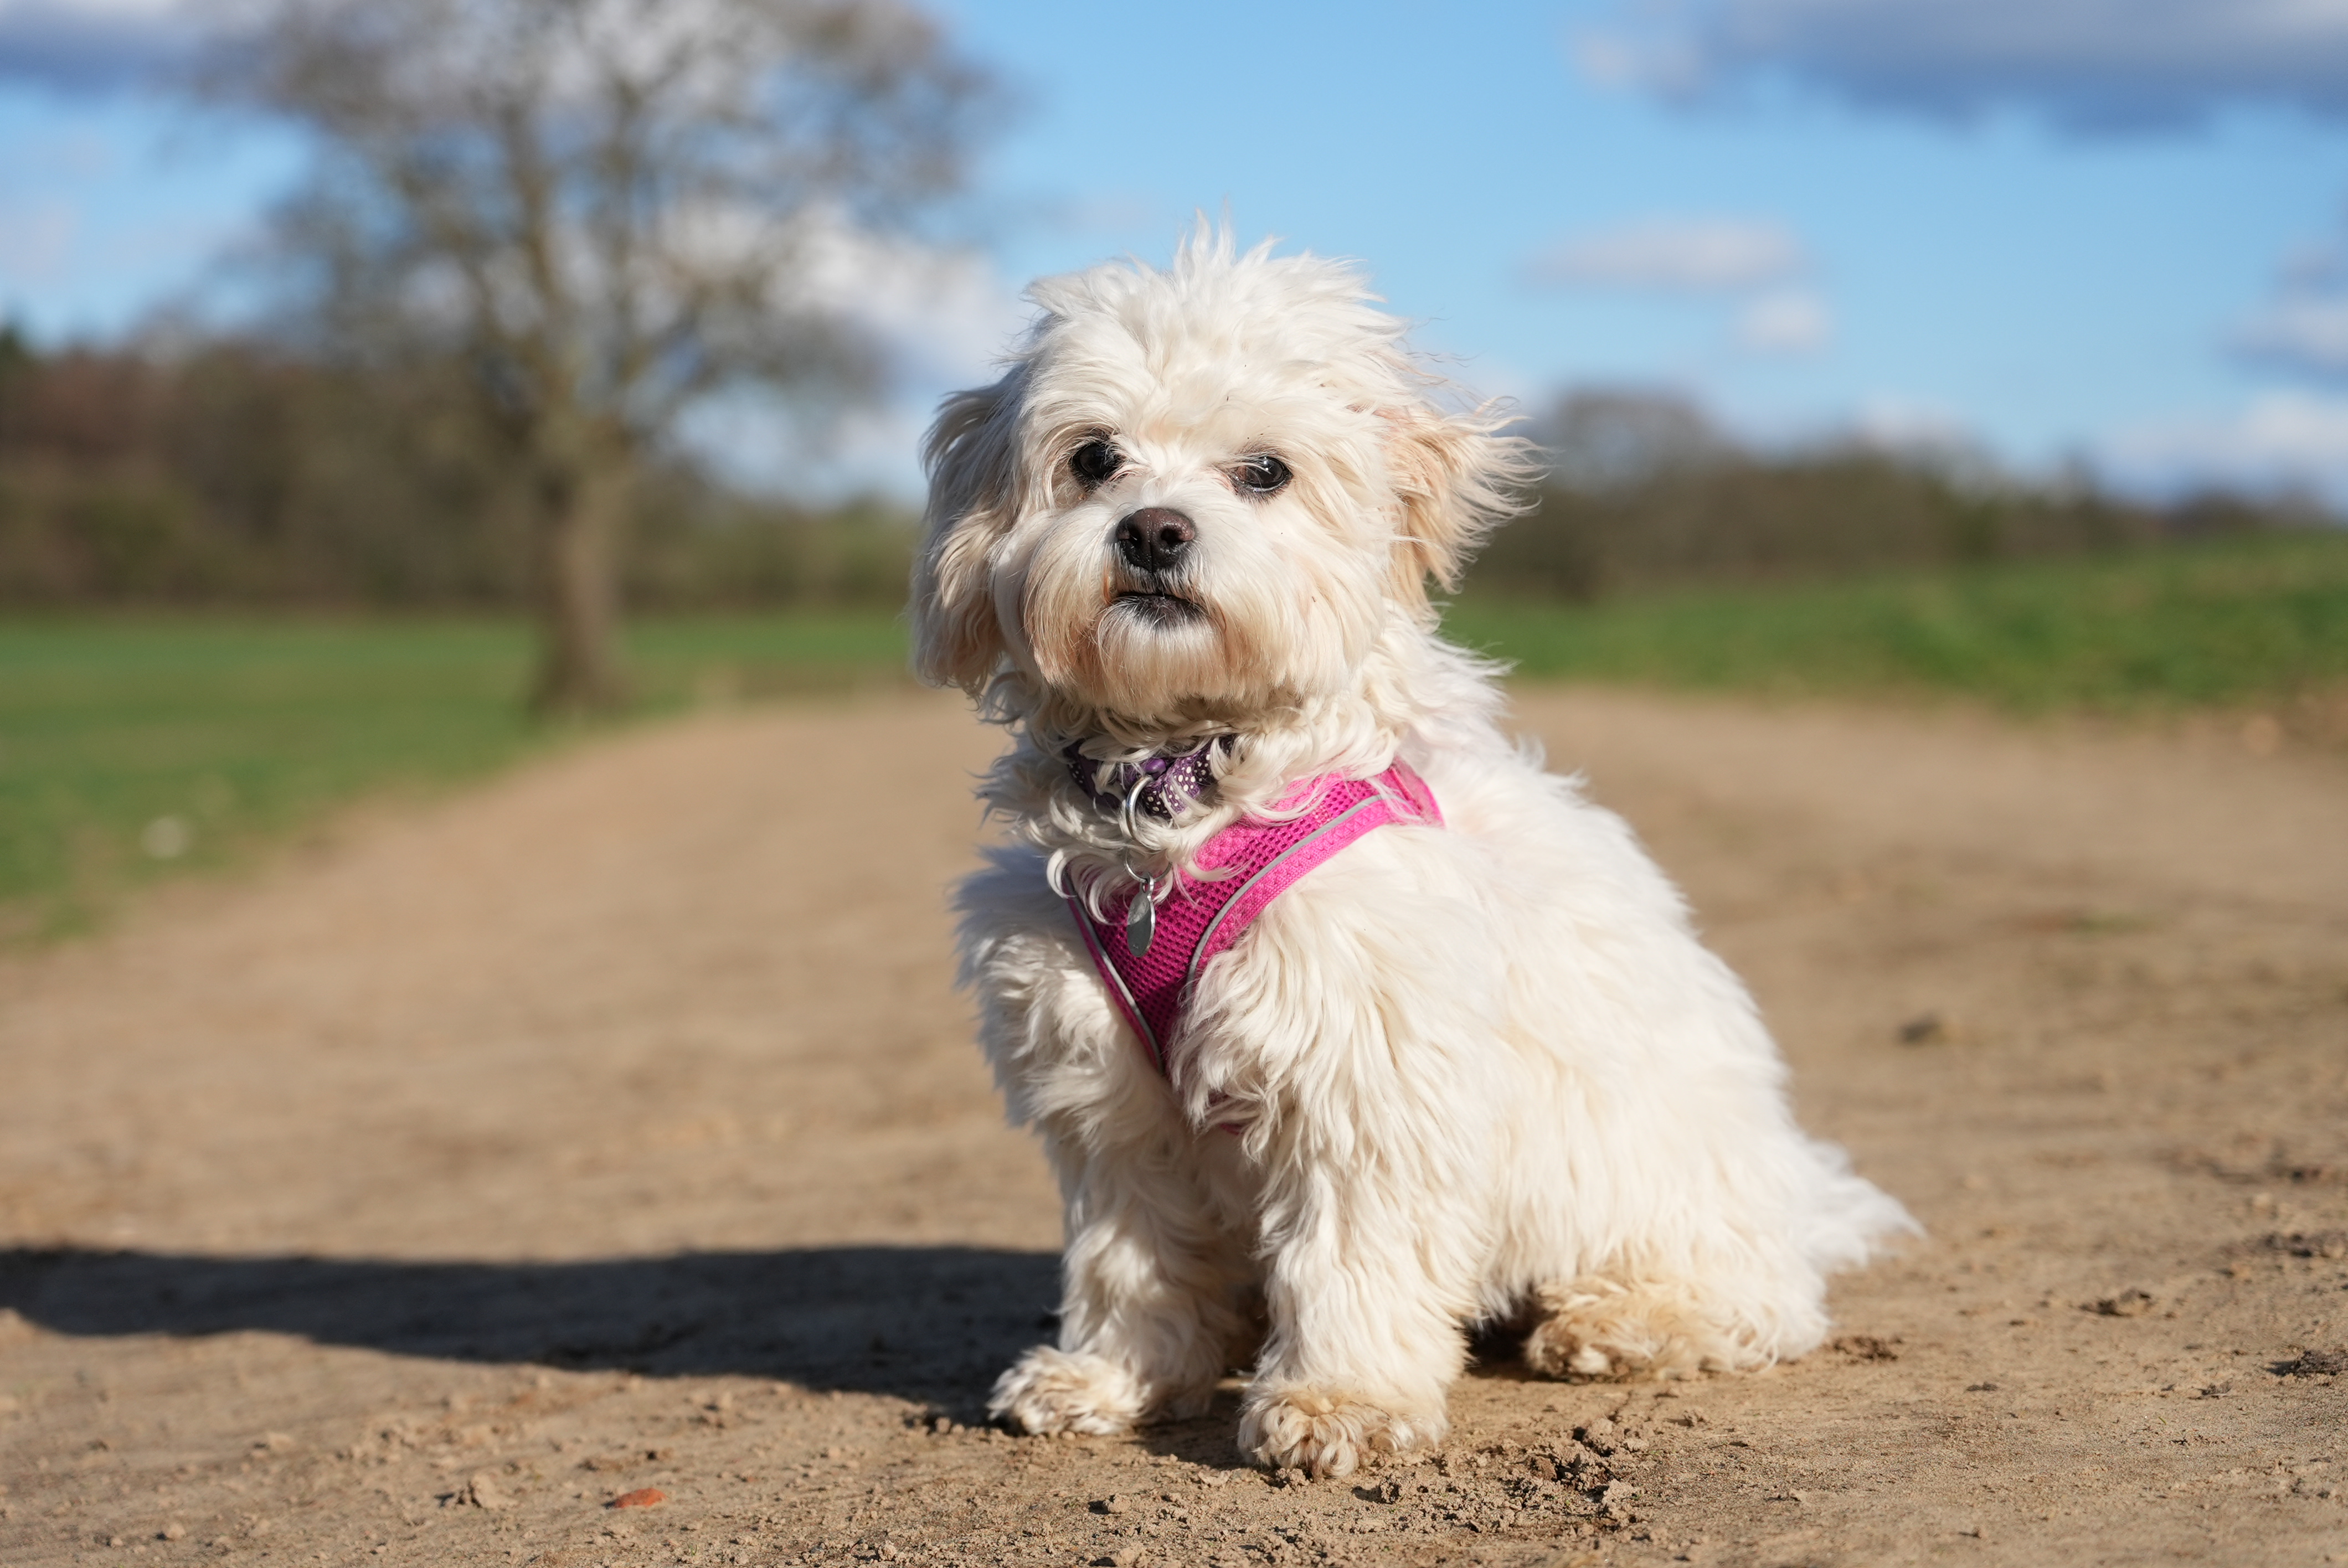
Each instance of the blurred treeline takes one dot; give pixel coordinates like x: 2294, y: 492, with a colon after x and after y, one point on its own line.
x: 1643, y: 492
x: 230, y: 471
x: 236, y: 471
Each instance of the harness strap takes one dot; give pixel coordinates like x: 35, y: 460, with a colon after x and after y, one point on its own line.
x: 1254, y: 863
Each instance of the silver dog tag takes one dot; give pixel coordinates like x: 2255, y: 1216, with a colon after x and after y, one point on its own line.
x: 1140, y: 921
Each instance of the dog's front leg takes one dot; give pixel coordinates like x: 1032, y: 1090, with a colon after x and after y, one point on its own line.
x: 1372, y: 1232
x: 1148, y: 1311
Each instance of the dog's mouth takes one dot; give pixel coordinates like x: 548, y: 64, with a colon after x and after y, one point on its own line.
x: 1159, y: 609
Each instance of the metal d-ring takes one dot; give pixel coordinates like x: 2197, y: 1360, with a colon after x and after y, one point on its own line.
x: 1125, y: 812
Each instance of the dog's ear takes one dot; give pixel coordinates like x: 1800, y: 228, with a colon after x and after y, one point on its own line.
x: 1455, y: 480
x: 970, y: 456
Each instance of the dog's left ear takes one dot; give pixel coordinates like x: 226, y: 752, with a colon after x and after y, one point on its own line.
x: 1455, y: 480
x: 970, y: 454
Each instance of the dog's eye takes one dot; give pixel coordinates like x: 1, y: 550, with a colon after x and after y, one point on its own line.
x: 1095, y: 462
x: 1261, y: 475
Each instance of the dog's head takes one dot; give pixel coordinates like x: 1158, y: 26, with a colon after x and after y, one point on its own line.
x: 1197, y: 492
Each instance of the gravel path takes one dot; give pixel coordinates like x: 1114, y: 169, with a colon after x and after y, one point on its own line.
x: 614, y: 1130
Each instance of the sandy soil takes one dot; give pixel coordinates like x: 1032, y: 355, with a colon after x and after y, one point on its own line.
x: 615, y: 1129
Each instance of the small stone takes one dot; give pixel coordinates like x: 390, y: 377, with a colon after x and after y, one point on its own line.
x: 1111, y: 1505
x: 175, y: 1531
x: 643, y: 1497
x: 485, y: 1491
x: 1924, y: 1028
x: 2127, y: 1304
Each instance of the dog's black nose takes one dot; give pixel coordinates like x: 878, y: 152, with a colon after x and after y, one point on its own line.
x: 1155, y: 538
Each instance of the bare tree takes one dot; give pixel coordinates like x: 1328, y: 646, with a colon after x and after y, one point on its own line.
x: 612, y: 210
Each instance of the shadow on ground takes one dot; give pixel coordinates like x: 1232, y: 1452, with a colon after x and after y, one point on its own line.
x: 932, y: 1325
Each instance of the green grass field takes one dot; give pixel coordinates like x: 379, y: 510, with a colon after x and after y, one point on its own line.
x: 134, y: 748
x: 2239, y: 622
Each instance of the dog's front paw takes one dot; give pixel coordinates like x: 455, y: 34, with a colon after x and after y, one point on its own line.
x: 1048, y: 1391
x: 1331, y: 1434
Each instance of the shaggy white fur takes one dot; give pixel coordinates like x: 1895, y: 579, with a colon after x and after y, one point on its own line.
x: 1482, y: 1071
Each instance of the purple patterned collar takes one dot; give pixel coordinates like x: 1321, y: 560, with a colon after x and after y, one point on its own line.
x: 1157, y: 786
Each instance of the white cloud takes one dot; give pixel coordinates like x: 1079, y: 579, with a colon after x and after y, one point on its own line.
x: 1787, y: 321
x: 948, y: 313
x: 1757, y: 264
x: 2304, y: 324
x: 2280, y: 438
x: 1891, y: 422
x: 2087, y: 64
x: 85, y: 45
x: 945, y: 316
x: 2308, y: 332
x: 35, y: 242
x: 1693, y: 255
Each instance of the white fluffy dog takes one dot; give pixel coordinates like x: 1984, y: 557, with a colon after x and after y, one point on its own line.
x: 1469, y: 1069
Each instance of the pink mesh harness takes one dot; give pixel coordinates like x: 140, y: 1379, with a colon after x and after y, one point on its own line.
x: 1201, y: 919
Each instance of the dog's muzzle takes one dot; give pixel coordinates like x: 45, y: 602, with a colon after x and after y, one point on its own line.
x: 1153, y: 540
x: 1153, y: 547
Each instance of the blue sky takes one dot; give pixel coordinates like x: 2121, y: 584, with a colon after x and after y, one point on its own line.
x: 2104, y: 229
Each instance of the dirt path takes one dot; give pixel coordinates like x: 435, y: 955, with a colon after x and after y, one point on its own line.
x: 615, y: 1128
